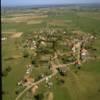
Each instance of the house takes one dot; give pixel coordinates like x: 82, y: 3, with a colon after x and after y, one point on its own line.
x: 73, y: 49
x: 62, y: 70
x: 43, y: 43
x: 29, y: 69
x: 20, y: 83
x: 28, y: 80
x: 34, y: 88
x: 4, y: 38
x: 84, y: 53
x: 50, y: 84
x: 46, y: 79
x: 76, y: 48
x: 77, y: 45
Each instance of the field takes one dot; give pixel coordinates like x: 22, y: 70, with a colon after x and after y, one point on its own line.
x: 18, y: 26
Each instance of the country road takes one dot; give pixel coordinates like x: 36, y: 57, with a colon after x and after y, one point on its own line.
x: 36, y: 83
x: 43, y: 79
x: 50, y: 76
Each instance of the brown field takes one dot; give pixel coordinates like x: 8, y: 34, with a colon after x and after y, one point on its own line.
x: 57, y: 22
x: 17, y: 35
x: 23, y: 18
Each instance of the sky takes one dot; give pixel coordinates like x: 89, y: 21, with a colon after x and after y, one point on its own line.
x: 40, y: 2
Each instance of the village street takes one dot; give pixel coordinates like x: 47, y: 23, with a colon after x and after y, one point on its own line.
x: 43, y: 79
x: 54, y: 69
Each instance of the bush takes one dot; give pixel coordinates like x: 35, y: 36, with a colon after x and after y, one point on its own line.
x: 4, y: 73
x: 60, y: 81
x: 3, y: 92
x: 39, y: 96
x: 66, y: 59
x: 25, y: 54
x: 8, y: 69
x: 33, y: 62
x: 16, y: 92
x: 45, y: 50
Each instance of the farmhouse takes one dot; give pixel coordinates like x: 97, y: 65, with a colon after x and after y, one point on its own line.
x: 4, y: 38
x: 84, y: 54
x: 34, y: 88
x: 28, y: 80
x: 62, y: 70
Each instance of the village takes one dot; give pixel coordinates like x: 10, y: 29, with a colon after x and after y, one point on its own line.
x: 76, y: 55
x: 51, y: 52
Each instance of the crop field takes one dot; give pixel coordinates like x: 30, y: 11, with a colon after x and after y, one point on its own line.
x: 21, y: 26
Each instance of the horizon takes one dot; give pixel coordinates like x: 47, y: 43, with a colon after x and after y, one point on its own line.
x: 15, y: 3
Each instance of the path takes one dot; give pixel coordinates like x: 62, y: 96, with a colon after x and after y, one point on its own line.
x: 43, y: 79
x: 36, y: 83
x: 50, y: 76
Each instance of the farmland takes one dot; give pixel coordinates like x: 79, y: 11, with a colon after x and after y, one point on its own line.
x: 31, y: 37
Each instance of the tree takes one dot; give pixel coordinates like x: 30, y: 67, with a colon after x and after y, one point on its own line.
x: 3, y: 92
x: 4, y: 73
x: 60, y: 81
x: 25, y: 54
x: 16, y: 92
x: 8, y: 69
x: 33, y: 62
x: 39, y: 96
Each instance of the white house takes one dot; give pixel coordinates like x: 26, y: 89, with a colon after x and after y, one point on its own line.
x: 4, y: 38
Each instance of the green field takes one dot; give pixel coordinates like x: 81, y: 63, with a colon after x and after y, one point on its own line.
x: 83, y: 85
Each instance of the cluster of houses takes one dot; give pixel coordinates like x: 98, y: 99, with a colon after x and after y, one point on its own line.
x: 27, y: 78
x: 26, y: 81
x: 78, y: 51
x: 33, y: 45
x: 3, y: 38
x: 29, y: 69
x: 49, y: 84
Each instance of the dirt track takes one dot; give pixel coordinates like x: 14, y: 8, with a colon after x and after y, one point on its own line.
x: 43, y: 79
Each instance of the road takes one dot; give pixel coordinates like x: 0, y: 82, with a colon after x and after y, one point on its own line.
x: 41, y: 80
x: 49, y: 76
x: 36, y: 83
